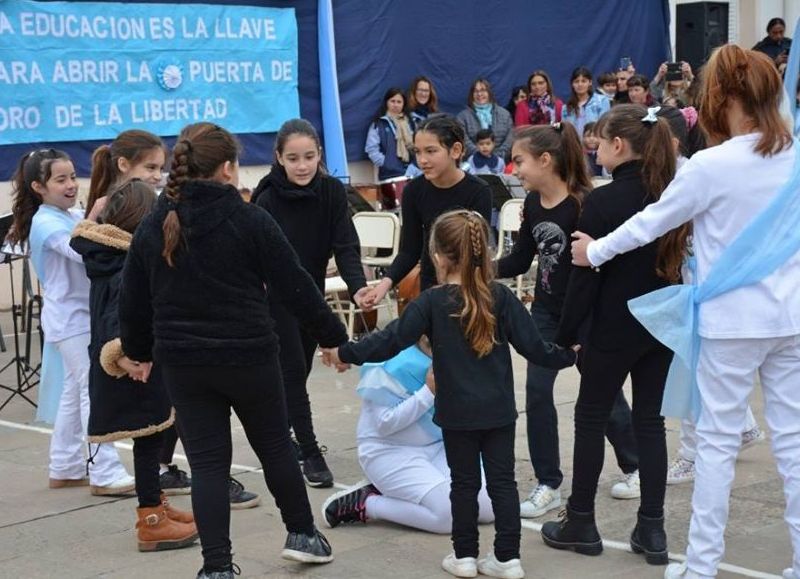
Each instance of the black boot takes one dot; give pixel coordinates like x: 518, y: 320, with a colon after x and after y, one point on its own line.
x: 648, y: 537
x: 575, y: 531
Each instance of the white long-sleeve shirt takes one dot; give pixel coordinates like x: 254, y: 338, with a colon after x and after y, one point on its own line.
x: 66, y: 288
x: 721, y: 190
x: 395, y: 425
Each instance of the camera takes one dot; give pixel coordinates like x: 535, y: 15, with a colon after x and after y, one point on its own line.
x: 673, y: 71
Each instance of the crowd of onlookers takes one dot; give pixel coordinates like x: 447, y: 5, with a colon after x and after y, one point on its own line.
x: 489, y: 125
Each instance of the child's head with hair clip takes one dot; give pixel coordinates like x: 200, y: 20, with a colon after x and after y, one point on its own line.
x: 459, y: 247
x: 44, y: 176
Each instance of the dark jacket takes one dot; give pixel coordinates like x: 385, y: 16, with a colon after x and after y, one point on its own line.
x: 212, y: 307
x: 316, y: 221
x: 120, y: 407
x: 472, y: 393
x: 381, y: 147
x: 605, y: 294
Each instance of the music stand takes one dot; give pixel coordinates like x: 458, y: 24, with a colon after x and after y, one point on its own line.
x: 27, y: 375
x: 500, y: 191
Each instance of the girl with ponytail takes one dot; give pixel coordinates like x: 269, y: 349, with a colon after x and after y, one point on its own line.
x: 471, y: 320
x: 549, y: 161
x: 741, y: 316
x: 195, y: 297
x: 636, y: 147
x: 134, y: 154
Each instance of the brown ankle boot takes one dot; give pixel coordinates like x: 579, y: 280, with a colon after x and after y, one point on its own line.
x: 157, y: 532
x: 175, y: 514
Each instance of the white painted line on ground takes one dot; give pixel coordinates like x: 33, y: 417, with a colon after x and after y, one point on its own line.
x: 530, y: 525
x: 620, y: 546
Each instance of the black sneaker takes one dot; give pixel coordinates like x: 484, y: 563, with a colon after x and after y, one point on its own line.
x: 175, y: 481
x: 316, y: 471
x: 307, y: 548
x: 298, y: 453
x: 349, y: 505
x: 234, y: 570
x: 240, y: 498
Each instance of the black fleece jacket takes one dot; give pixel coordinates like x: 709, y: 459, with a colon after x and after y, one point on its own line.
x: 604, y: 295
x: 317, y: 223
x: 212, y: 307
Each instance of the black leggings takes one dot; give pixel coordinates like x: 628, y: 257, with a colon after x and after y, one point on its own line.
x: 602, y: 375
x: 203, y: 397
x: 465, y: 450
x: 169, y: 440
x: 296, y: 357
x: 145, y: 469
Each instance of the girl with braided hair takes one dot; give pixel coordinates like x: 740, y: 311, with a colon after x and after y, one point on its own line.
x: 194, y: 299
x: 470, y: 320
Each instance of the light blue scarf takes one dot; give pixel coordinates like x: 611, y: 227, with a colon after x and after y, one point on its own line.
x: 47, y: 221
x: 671, y: 313
x: 484, y: 114
x: 390, y: 383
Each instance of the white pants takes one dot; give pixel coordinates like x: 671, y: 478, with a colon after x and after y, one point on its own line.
x: 418, y: 495
x: 67, y: 445
x: 725, y: 375
x: 688, y: 436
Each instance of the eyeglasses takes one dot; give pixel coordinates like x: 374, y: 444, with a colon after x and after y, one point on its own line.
x: 423, y: 90
x: 480, y: 91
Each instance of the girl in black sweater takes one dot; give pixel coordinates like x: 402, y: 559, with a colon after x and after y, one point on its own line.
x: 549, y: 162
x: 194, y: 299
x: 439, y: 144
x: 636, y: 146
x: 470, y: 321
x: 120, y: 406
x: 311, y: 209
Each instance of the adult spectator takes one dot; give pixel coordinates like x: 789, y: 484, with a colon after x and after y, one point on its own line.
x: 542, y: 106
x: 422, y: 99
x: 584, y: 104
x: 518, y: 93
x: 483, y: 112
x: 390, y: 139
x: 775, y: 44
x: 671, y: 92
x: 639, y: 90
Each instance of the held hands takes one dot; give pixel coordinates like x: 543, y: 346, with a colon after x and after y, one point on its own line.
x: 330, y: 357
x: 138, y: 371
x: 378, y: 292
x: 580, y: 241
x: 364, y: 299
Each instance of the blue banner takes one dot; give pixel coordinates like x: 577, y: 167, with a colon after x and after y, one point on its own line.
x: 89, y: 70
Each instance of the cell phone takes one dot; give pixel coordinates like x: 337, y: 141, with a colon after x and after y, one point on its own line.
x: 625, y: 62
x: 674, y: 71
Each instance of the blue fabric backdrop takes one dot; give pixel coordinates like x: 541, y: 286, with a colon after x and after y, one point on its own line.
x: 383, y: 43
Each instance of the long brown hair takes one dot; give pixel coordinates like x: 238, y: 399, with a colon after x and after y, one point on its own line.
x: 462, y: 238
x: 652, y: 141
x: 562, y: 143
x: 200, y: 150
x: 133, y: 146
x: 751, y: 79
x: 487, y: 85
x: 128, y: 204
x: 33, y: 167
x: 433, y: 100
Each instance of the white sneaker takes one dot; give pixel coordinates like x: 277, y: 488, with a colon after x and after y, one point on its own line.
x: 788, y: 573
x: 628, y: 487
x: 675, y: 571
x: 752, y: 437
x: 680, y: 471
x: 124, y: 485
x: 541, y: 500
x: 464, y: 567
x: 491, y: 567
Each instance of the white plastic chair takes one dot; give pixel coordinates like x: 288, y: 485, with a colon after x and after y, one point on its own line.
x: 377, y: 230
x: 508, y: 222
x: 344, y: 307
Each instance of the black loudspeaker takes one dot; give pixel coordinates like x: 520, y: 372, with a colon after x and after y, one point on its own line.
x: 700, y: 27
